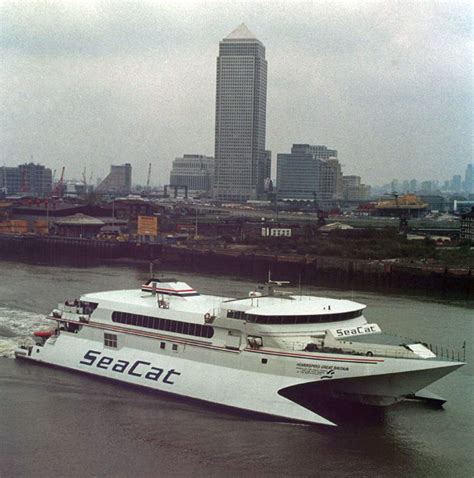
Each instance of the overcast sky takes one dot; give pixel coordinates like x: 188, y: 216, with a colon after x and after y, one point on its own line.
x: 89, y: 83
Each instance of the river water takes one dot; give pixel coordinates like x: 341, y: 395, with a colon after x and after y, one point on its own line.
x: 58, y: 423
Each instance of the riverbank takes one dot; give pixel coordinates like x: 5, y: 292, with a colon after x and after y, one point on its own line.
x: 325, y: 271
x: 245, y: 261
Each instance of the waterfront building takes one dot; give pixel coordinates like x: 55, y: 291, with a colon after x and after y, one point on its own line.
x: 79, y: 225
x: 118, y: 181
x: 435, y: 202
x: 194, y: 171
x: 27, y: 179
x: 407, y: 205
x: 241, y: 96
x: 467, y: 225
x: 354, y: 190
x: 311, y: 173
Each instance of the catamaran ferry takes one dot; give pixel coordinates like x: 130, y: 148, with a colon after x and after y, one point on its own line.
x: 269, y: 352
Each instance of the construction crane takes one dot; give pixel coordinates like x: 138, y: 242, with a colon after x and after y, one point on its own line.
x: 24, y: 181
x: 58, y: 189
x: 402, y: 219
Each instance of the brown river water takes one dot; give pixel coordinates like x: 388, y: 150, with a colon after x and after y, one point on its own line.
x: 55, y: 423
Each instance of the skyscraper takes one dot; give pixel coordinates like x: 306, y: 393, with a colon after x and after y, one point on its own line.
x: 240, y: 117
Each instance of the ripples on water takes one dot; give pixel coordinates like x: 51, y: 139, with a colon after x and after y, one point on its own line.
x: 17, y: 327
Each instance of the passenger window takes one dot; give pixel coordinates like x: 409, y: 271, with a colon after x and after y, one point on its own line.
x: 110, y: 340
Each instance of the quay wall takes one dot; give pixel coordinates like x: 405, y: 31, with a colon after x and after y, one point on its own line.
x: 325, y: 271
x: 79, y: 249
x: 320, y: 271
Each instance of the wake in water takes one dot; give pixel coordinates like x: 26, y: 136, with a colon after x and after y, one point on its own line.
x: 17, y: 327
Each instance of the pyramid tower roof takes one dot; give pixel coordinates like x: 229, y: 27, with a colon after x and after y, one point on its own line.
x: 241, y: 33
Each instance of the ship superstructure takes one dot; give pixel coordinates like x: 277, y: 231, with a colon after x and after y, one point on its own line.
x: 268, y: 352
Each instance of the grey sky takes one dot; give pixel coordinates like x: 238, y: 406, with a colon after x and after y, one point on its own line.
x: 88, y: 83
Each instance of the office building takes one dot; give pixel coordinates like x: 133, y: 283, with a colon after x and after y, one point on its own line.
x: 194, y: 171
x: 467, y: 225
x: 456, y: 183
x: 118, y: 181
x: 241, y: 95
x: 468, y: 185
x: 354, y: 190
x: 27, y: 179
x: 309, y: 173
x: 267, y: 168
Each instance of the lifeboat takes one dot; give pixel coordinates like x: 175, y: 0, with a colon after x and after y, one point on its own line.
x: 43, y: 333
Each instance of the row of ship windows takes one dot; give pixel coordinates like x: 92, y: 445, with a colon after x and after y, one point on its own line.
x: 292, y: 319
x: 110, y: 340
x: 167, y: 325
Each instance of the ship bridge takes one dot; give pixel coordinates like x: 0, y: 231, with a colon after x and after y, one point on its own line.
x: 289, y: 309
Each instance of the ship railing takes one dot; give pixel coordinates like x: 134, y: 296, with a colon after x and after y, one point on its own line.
x: 447, y: 353
x: 442, y: 353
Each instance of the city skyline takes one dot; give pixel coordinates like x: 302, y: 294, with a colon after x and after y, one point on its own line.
x: 94, y: 84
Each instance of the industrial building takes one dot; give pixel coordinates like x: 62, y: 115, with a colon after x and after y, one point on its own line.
x: 118, y: 181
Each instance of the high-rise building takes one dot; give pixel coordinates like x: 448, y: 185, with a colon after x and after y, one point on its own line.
x: 29, y: 178
x: 241, y: 97
x: 309, y: 173
x: 468, y: 185
x: 118, y: 181
x: 456, y: 183
x: 194, y: 171
x: 267, y: 169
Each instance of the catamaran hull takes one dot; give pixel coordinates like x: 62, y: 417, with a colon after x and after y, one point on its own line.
x: 252, y: 380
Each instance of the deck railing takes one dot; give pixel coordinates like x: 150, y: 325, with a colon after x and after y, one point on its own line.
x: 443, y: 353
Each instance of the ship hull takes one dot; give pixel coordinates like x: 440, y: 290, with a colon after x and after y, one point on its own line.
x: 284, y: 385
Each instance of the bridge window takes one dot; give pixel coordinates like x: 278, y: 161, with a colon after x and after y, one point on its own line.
x: 301, y: 319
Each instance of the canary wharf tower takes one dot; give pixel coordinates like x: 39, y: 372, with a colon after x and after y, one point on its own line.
x: 240, y: 117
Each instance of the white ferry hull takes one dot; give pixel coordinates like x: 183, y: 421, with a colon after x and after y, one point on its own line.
x: 239, y: 379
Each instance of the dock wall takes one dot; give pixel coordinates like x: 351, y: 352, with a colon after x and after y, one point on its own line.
x: 320, y: 271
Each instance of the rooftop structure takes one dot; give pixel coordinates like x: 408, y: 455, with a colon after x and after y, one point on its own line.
x: 408, y: 204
